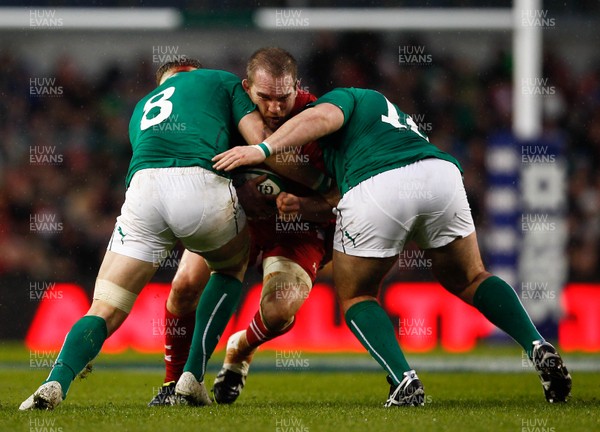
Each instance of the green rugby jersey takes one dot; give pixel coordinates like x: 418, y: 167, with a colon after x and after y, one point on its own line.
x: 187, y: 120
x: 376, y: 137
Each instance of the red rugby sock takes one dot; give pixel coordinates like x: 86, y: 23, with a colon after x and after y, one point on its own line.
x: 257, y: 333
x: 178, y: 338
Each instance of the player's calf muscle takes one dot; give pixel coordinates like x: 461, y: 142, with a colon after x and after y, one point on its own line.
x: 277, y: 313
x: 185, y: 300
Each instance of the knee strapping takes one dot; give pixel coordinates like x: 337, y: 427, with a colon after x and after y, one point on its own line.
x: 285, y: 279
x: 114, y: 295
x: 276, y: 267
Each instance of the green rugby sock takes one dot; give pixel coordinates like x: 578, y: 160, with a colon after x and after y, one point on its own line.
x: 373, y: 328
x: 499, y: 303
x: 217, y: 303
x: 82, y: 344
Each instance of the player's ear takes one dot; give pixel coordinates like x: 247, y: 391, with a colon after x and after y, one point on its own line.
x: 246, y: 84
x: 166, y: 74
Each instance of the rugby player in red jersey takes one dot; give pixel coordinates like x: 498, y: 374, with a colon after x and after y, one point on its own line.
x: 291, y: 253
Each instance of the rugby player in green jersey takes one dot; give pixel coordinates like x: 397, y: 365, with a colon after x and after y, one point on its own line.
x: 378, y: 155
x: 173, y: 194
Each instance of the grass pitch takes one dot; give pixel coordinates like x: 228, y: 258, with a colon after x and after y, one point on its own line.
x: 114, y: 397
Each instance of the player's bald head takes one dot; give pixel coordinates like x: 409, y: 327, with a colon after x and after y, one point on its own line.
x: 179, y: 65
x: 277, y: 62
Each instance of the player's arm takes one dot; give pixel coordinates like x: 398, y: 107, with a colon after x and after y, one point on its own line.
x: 304, y: 174
x: 310, y: 125
x: 252, y: 128
x: 253, y: 132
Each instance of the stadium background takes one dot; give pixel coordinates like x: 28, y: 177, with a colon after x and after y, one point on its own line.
x: 67, y: 94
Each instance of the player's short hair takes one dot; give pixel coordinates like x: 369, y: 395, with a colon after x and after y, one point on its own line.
x: 276, y: 61
x: 183, y: 64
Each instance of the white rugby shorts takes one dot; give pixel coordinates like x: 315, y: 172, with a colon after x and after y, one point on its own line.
x: 162, y: 205
x: 424, y: 201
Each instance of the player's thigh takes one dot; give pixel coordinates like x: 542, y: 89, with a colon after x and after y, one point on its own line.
x: 127, y: 272
x: 304, y: 248
x: 120, y: 280
x: 355, y: 276
x: 458, y: 265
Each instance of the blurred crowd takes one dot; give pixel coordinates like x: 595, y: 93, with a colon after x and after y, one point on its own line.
x: 63, y: 157
x: 64, y: 147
